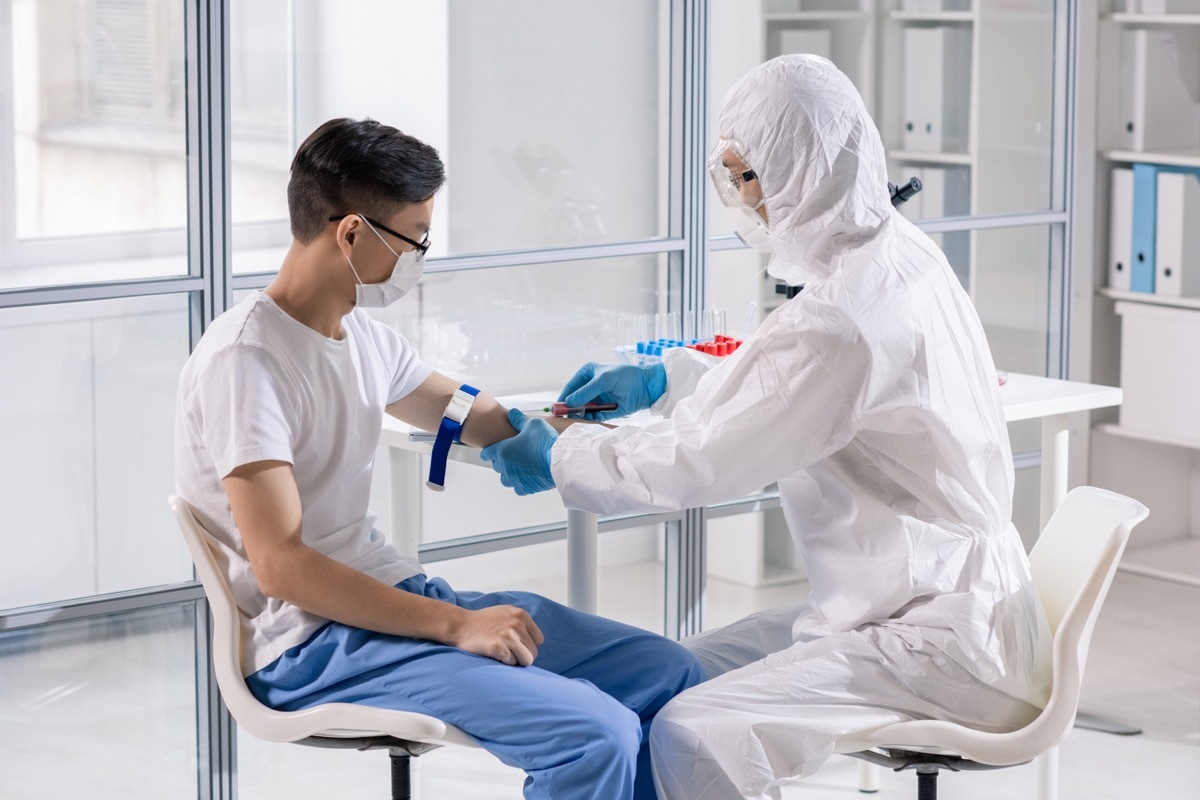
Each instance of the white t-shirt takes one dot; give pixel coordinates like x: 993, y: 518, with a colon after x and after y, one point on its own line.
x: 262, y: 386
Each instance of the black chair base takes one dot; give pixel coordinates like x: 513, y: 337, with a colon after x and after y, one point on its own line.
x: 925, y: 764
x: 400, y: 751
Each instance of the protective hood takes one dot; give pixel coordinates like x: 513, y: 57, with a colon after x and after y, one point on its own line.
x: 819, y: 158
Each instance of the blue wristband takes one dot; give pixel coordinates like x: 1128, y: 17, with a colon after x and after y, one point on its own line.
x: 449, y: 432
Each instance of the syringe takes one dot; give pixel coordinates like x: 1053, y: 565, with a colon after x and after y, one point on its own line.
x: 564, y: 410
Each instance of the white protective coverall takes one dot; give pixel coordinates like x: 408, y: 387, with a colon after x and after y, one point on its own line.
x: 872, y: 399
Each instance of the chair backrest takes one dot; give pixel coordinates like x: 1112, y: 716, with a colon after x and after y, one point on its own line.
x: 331, y: 719
x: 1073, y: 564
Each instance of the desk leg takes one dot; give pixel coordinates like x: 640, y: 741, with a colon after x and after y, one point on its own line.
x: 583, y: 563
x: 1055, y: 438
x: 406, y: 488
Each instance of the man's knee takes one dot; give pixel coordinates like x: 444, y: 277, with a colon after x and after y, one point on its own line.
x: 616, y: 735
x: 686, y: 668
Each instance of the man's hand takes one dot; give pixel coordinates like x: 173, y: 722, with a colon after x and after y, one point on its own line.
x: 505, y: 633
x: 524, y: 460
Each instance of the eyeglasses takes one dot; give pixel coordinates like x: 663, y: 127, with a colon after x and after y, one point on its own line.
x: 422, y: 245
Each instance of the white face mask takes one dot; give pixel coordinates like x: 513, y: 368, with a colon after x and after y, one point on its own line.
x: 410, y: 265
x: 750, y: 228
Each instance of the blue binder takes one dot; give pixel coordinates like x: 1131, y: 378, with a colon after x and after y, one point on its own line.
x: 1145, y: 222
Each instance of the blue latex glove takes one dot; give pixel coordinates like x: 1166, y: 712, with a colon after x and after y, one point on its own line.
x: 630, y: 386
x: 524, y: 460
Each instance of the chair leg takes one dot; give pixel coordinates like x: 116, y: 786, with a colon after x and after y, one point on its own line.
x: 1047, y: 775
x: 401, y: 776
x: 868, y: 777
x: 927, y: 784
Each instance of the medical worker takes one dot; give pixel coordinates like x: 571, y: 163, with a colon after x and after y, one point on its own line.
x: 872, y: 399
x: 277, y: 426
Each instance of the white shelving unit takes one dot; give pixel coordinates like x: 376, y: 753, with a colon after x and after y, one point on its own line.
x: 1153, y: 450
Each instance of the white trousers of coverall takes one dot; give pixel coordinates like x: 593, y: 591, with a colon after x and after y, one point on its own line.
x: 774, y: 709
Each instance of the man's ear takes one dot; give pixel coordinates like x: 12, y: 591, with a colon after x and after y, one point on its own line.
x: 347, y: 229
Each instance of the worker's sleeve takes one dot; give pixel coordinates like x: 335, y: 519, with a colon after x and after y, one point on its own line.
x: 684, y: 368
x: 785, y: 400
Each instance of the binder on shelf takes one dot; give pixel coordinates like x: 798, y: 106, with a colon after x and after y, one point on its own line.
x: 1145, y: 202
x: 1120, y: 229
x: 1177, y: 238
x: 937, y: 67
x: 1160, y: 89
x: 1143, y: 271
x: 919, y: 100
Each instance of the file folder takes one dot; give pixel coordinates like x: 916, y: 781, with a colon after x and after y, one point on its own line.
x: 1177, y: 240
x: 1145, y: 202
x: 1160, y: 89
x: 922, y: 89
x: 1120, y: 229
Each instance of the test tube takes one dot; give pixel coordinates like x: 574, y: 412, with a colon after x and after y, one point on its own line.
x: 719, y: 322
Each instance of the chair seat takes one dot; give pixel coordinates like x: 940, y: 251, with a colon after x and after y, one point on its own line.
x: 321, y: 725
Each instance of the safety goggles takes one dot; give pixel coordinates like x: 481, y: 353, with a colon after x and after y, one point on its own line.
x: 736, y: 183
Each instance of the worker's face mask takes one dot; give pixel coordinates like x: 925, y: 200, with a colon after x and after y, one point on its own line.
x: 740, y: 192
x: 410, y: 265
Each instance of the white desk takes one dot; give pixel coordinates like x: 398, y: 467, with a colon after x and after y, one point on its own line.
x: 1025, y: 397
x: 1031, y: 397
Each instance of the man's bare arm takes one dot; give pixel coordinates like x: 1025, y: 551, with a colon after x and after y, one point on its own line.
x: 266, y: 509
x: 486, y: 424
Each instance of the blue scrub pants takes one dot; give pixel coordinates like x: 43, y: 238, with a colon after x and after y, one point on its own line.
x: 577, y: 721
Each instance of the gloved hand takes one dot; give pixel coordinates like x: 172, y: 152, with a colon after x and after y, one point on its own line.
x: 524, y: 460
x: 630, y: 386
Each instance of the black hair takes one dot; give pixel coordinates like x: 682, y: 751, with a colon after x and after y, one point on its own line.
x: 350, y: 166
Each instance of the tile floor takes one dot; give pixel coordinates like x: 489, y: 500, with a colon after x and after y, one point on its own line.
x: 110, y: 707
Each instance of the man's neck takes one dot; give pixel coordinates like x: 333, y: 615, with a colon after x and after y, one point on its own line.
x: 304, y: 290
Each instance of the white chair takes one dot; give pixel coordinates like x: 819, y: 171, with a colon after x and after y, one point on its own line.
x: 332, y: 725
x: 1073, y: 564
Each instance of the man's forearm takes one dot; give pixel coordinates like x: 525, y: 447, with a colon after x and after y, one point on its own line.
x: 330, y: 589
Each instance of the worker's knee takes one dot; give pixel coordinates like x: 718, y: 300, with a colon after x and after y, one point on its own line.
x: 673, y: 728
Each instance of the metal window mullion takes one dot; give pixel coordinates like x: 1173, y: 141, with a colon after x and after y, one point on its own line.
x: 208, y: 163
x: 209, y: 258
x: 8, y: 157
x: 689, y: 42
x: 517, y: 258
x: 941, y: 225
x: 75, y: 293
x: 513, y: 258
x: 685, y: 567
x: 103, y: 606
x: 1066, y: 50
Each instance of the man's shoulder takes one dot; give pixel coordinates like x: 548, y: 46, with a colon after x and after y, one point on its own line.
x: 242, y: 335
x: 370, y: 332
